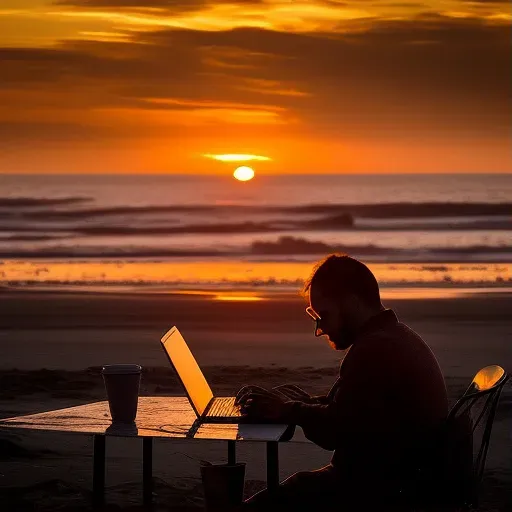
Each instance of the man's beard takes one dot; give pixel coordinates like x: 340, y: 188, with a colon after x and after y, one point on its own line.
x: 332, y: 344
x: 342, y: 340
x: 339, y: 346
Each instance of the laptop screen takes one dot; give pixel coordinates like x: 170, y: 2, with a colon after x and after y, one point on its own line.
x: 187, y: 368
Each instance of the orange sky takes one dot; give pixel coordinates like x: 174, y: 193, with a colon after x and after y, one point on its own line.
x: 316, y: 86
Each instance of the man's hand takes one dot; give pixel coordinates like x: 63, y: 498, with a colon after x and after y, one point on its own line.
x: 293, y: 392
x: 264, y: 406
x: 247, y: 390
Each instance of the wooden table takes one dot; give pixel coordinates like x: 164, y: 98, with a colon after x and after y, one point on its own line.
x: 162, y: 417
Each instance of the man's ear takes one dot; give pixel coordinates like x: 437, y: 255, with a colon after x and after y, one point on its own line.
x: 350, y: 301
x: 353, y: 305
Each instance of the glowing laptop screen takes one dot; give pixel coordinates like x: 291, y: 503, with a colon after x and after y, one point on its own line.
x: 187, y: 368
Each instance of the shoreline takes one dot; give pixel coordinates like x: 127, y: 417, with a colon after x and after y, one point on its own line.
x: 404, y: 291
x: 286, y: 275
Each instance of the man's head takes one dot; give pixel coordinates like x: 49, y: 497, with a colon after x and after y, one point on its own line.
x: 343, y: 293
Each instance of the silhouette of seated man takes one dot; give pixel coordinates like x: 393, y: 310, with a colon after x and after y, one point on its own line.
x: 382, y: 414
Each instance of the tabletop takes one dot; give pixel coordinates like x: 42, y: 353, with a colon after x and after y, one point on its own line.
x: 162, y: 417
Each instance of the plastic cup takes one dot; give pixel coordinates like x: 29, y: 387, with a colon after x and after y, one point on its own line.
x: 223, y: 486
x: 122, y: 382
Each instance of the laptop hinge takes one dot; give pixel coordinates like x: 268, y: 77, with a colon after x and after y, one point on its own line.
x: 208, y: 407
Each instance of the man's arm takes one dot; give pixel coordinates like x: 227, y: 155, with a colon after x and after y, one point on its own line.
x: 361, y: 396
x: 320, y: 422
x: 320, y: 399
x: 295, y: 393
x: 354, y: 403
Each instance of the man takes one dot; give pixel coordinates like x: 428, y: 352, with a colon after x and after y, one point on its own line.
x: 381, y: 416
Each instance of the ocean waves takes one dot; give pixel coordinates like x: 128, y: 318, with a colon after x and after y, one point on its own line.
x: 62, y: 208
x: 34, y: 202
x: 78, y: 227
x: 283, y: 248
x: 197, y: 232
x: 67, y: 216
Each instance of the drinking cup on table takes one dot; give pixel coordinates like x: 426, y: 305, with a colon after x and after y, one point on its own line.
x: 122, y: 382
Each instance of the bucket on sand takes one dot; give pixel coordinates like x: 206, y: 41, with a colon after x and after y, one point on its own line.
x: 223, y: 486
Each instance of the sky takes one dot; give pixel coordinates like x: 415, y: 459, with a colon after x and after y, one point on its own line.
x: 161, y: 86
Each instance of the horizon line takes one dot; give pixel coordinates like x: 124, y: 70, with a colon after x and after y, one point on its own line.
x: 259, y: 173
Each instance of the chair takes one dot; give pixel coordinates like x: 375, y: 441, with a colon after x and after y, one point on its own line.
x: 468, y: 434
x: 453, y: 464
x: 460, y: 450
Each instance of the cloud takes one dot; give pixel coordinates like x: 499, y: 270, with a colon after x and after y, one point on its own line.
x: 238, y: 158
x: 486, y: 2
x: 45, y: 131
x: 430, y: 76
x: 465, y: 62
x: 176, y: 6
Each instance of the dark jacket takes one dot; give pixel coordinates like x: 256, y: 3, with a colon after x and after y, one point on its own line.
x: 386, y: 406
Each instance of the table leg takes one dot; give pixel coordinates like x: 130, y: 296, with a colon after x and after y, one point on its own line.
x: 231, y: 452
x: 98, y: 471
x: 272, y: 466
x: 147, y: 470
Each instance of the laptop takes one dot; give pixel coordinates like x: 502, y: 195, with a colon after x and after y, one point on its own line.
x: 208, y: 408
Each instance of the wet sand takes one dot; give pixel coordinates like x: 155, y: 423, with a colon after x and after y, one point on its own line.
x: 74, y: 331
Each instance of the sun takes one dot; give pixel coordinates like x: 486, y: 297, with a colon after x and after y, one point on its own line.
x: 243, y: 173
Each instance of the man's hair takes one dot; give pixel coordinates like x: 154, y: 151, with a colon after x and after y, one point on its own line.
x: 339, y: 275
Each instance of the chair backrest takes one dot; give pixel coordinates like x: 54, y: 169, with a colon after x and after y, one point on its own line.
x: 478, y: 406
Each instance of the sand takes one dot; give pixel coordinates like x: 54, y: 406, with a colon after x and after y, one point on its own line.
x: 264, y: 342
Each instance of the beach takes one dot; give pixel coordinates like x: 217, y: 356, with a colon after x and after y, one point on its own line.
x: 191, y: 164
x: 263, y: 339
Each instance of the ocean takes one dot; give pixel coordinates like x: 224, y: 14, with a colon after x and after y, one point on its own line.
x: 195, y: 232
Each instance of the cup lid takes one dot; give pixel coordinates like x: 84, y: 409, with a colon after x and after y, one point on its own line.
x: 121, y: 369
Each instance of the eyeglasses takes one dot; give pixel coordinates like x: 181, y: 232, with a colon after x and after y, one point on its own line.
x: 317, y: 318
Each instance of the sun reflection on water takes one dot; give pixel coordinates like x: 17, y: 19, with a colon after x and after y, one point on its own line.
x: 237, y: 297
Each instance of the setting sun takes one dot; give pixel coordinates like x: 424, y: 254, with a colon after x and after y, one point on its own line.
x: 243, y: 173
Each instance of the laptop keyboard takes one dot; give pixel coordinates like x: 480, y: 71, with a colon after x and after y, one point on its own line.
x: 224, y: 407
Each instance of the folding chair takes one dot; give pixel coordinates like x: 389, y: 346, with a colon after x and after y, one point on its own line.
x: 453, y: 464
x: 473, y: 414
